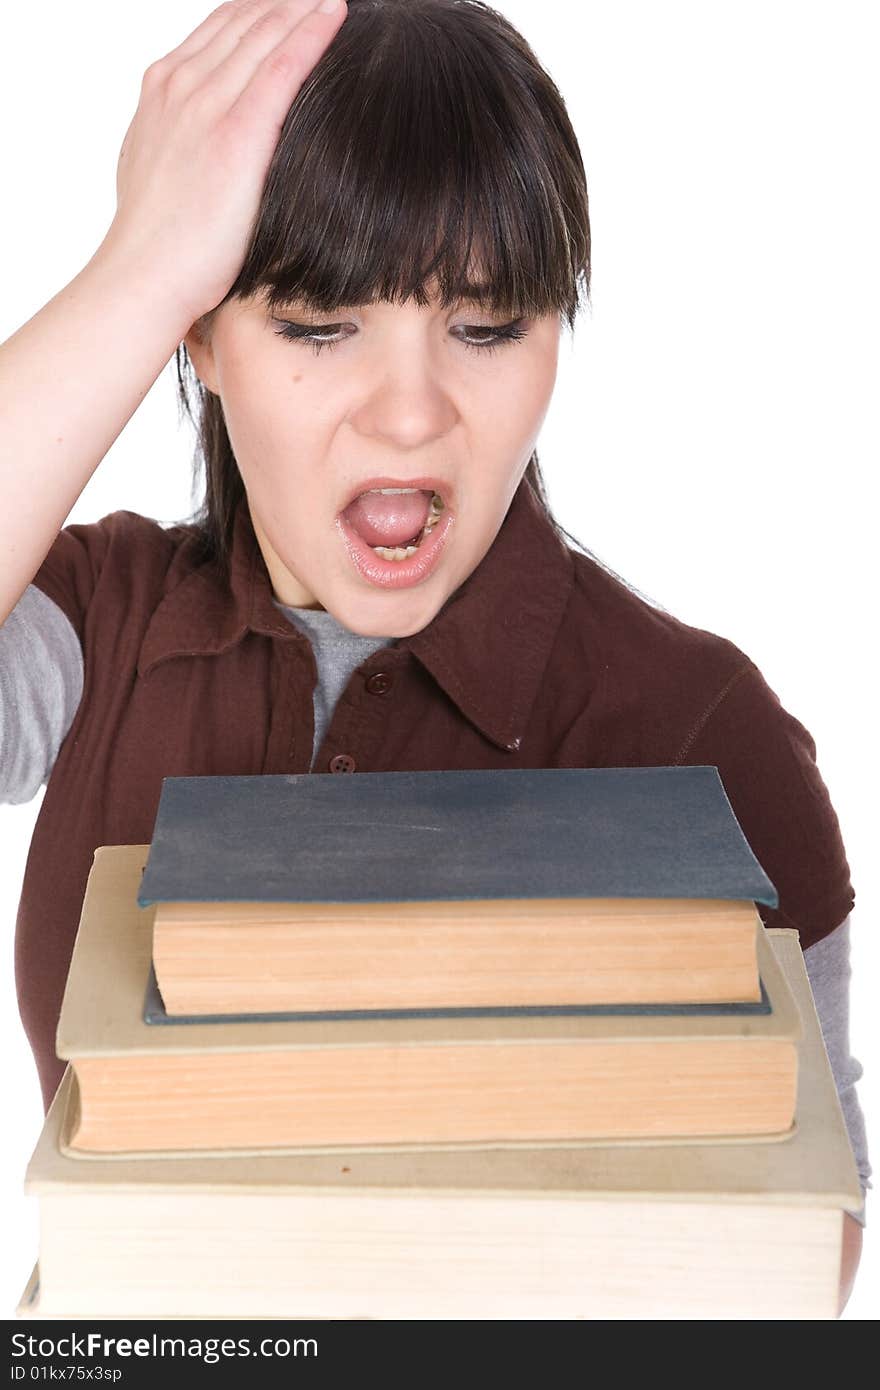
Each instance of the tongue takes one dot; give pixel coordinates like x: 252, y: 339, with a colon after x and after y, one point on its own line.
x: 388, y: 520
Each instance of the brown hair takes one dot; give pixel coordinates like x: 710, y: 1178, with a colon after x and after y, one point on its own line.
x: 428, y: 142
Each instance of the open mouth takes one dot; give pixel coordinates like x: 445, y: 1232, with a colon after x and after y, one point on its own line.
x: 395, y: 536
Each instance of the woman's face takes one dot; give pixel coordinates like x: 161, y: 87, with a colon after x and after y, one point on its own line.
x: 401, y: 396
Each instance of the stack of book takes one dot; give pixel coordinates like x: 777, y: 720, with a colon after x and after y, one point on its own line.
x: 439, y: 1045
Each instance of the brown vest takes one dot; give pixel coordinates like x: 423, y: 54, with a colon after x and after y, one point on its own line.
x: 539, y: 659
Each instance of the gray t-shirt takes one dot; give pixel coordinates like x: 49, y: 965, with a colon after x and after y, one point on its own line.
x: 41, y: 683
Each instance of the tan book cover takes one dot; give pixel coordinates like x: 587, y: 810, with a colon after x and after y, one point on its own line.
x: 400, y: 1080
x: 733, y: 1230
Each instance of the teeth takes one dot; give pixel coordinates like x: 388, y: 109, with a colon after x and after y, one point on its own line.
x: 436, y: 500
x: 394, y: 553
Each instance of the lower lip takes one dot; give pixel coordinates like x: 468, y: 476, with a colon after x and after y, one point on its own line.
x: 396, y: 574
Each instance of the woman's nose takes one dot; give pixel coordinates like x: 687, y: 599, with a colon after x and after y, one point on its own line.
x: 407, y: 402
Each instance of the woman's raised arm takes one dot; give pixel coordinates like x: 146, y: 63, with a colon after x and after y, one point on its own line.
x: 191, y: 171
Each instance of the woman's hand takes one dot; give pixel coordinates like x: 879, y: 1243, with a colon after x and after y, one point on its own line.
x: 195, y: 158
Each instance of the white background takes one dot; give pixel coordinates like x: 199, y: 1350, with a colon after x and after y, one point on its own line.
x: 713, y: 435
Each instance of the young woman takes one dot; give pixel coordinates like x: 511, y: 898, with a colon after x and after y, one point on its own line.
x: 364, y: 228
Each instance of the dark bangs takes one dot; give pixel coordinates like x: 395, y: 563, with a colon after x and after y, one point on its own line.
x: 427, y: 154
x: 427, y: 147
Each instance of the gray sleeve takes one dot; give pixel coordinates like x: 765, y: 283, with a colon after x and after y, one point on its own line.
x: 41, y: 682
x: 829, y: 971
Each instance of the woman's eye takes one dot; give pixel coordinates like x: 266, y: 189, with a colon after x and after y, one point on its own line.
x: 326, y: 335
x: 313, y: 334
x: 506, y: 333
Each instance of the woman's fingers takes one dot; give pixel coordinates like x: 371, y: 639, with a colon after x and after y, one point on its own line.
x: 261, y: 73
x: 242, y: 20
x: 195, y: 157
x: 292, y: 28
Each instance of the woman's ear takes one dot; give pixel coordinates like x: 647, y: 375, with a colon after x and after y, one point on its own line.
x: 201, y: 353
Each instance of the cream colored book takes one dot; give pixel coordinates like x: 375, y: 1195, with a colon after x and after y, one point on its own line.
x: 522, y: 1077
x: 695, y: 1231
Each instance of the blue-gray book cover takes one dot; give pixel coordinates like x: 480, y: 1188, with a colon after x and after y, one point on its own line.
x: 647, y: 832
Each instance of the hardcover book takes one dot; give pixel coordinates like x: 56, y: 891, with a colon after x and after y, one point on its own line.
x: 452, y: 888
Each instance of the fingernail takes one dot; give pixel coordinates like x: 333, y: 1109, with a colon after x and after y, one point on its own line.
x: 328, y: 6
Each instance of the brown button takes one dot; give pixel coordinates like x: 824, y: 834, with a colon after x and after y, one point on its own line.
x: 343, y: 762
x: 380, y: 683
